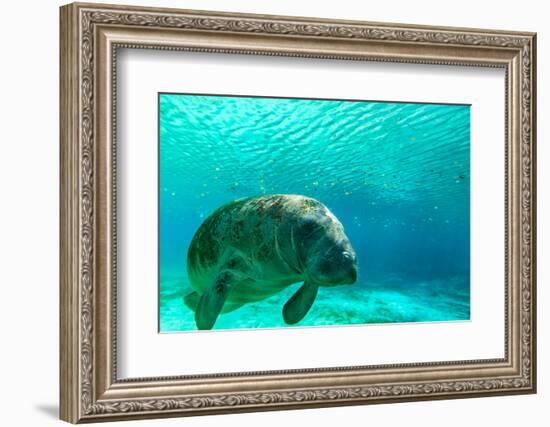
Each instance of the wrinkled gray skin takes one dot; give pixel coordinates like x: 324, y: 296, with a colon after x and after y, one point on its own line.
x: 250, y: 249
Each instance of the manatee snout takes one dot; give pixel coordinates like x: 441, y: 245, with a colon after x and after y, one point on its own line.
x: 338, y: 266
x: 349, y: 264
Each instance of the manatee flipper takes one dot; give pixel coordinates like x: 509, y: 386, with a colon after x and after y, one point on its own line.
x: 211, y: 302
x: 299, y: 304
x: 192, y: 300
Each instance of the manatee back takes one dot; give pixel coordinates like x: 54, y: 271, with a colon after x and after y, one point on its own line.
x: 249, y: 226
x: 211, y: 239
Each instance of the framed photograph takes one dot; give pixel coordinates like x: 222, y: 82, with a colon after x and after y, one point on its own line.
x: 266, y: 212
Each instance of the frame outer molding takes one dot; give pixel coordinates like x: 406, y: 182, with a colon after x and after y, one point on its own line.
x: 69, y: 221
x: 90, y: 390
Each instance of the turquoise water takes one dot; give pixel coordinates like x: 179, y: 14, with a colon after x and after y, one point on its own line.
x: 397, y: 175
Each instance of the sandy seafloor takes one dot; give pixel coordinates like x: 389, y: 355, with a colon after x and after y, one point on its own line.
x: 394, y: 301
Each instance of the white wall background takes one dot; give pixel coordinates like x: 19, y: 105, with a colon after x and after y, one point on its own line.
x: 29, y: 171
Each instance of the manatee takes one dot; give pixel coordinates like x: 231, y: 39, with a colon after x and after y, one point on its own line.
x: 252, y: 248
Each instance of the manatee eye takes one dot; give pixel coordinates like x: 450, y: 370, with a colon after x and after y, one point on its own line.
x: 347, y: 255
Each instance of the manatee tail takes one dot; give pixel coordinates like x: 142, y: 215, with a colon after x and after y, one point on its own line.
x: 192, y: 300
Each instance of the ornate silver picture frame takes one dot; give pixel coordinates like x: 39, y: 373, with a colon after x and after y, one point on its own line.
x: 91, y: 37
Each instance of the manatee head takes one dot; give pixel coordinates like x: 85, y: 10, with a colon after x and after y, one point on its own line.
x: 325, y: 251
